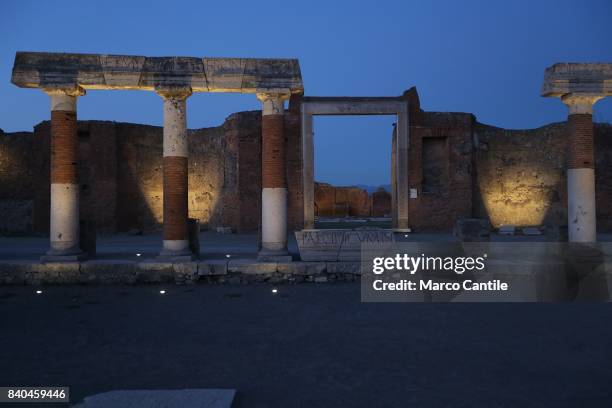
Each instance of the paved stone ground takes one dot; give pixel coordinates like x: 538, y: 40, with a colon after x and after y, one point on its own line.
x: 309, y: 345
x: 124, y: 246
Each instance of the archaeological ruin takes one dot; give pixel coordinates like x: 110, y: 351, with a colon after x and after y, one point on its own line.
x: 254, y: 172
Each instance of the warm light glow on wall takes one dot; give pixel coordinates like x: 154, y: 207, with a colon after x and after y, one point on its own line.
x: 202, y: 202
x: 519, y: 195
x: 154, y: 197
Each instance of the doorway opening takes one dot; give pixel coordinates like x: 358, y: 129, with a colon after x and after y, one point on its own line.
x: 352, y: 172
x: 329, y: 206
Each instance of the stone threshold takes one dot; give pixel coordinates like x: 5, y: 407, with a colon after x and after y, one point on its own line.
x: 97, y: 272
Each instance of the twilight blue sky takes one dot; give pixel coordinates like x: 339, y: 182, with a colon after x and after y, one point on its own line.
x: 485, y: 57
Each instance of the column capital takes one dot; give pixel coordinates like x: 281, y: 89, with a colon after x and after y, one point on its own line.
x: 73, y: 91
x: 281, y: 93
x: 580, y: 103
x: 273, y: 101
x: 171, y: 92
x: 64, y: 98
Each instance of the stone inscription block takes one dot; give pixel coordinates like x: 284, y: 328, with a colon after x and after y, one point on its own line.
x: 338, y: 244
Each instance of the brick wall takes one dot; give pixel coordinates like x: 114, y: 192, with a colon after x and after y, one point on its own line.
x: 16, y: 181
x: 120, y: 173
x: 242, y: 192
x: 440, y: 169
x: 380, y: 203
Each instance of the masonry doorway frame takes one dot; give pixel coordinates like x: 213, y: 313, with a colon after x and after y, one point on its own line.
x: 346, y: 106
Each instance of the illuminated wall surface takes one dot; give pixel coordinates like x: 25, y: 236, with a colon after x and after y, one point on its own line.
x: 521, y: 175
x: 459, y: 168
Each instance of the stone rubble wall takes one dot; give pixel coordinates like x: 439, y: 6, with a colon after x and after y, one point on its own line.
x: 521, y: 175
x: 16, y: 182
x: 121, y: 174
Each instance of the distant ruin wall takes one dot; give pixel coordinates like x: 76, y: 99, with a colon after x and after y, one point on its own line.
x: 337, y: 201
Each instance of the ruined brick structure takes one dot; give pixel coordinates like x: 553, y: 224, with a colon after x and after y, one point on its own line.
x: 440, y: 166
x: 341, y: 201
x: 458, y: 167
x: 349, y: 201
x: 380, y: 203
x: 462, y: 168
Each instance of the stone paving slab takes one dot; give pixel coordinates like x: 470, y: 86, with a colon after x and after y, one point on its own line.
x: 190, y: 398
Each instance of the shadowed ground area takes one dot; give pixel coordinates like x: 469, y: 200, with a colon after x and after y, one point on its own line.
x: 308, y: 345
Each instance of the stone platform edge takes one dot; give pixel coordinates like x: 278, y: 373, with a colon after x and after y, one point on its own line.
x: 233, y: 271
x: 96, y: 272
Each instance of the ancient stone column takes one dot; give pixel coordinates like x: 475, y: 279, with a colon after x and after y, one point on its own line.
x: 582, y: 226
x: 64, y: 215
x: 273, y: 178
x: 176, y: 153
